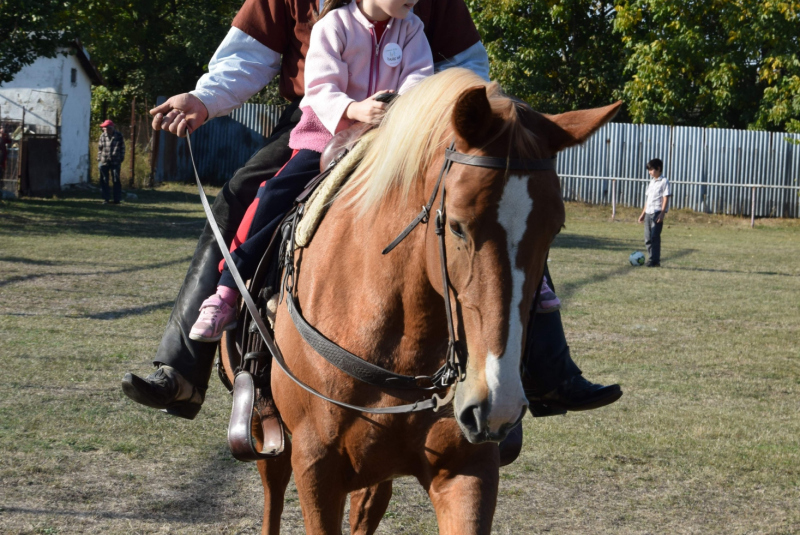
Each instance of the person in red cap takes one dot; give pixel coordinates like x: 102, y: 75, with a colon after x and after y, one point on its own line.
x: 110, y: 153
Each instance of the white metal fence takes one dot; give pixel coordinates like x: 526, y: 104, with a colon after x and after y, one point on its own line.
x: 711, y: 170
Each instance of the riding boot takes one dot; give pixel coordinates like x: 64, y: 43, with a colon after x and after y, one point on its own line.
x: 552, y: 381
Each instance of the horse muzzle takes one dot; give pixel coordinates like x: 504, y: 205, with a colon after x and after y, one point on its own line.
x: 478, y: 425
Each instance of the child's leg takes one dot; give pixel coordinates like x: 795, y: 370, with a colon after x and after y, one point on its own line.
x: 277, y: 197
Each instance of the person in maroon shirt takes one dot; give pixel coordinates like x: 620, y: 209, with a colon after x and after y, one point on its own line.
x: 270, y: 37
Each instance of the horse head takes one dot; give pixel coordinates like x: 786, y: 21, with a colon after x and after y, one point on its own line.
x: 499, y: 226
x: 499, y: 221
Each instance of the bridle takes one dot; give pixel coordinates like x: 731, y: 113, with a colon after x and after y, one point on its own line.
x: 454, y: 368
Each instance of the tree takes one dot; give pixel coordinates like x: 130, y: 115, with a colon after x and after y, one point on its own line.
x: 147, y: 48
x: 718, y: 63
x: 558, y: 55
x: 29, y: 30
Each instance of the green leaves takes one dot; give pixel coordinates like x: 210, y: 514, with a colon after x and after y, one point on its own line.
x: 720, y: 63
x: 717, y: 64
x: 29, y: 30
x: 556, y: 54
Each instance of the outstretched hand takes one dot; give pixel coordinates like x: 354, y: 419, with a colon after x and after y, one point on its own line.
x: 179, y: 114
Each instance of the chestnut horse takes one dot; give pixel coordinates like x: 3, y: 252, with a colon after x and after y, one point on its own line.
x: 390, y: 309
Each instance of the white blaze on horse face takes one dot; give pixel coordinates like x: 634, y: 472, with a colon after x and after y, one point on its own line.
x: 506, y: 397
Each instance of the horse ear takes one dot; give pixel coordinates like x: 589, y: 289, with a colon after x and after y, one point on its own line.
x: 575, y: 127
x: 473, y: 117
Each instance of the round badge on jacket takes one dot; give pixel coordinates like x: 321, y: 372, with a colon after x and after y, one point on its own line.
x: 392, y: 54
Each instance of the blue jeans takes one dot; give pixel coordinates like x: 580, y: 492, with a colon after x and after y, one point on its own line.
x: 105, y: 171
x: 652, y: 237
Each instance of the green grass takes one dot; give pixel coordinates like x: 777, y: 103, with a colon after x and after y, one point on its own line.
x: 706, y: 438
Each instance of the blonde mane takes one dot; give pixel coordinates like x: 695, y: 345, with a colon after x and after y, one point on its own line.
x: 416, y: 130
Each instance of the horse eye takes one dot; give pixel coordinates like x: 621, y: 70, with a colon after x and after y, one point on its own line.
x: 456, y: 229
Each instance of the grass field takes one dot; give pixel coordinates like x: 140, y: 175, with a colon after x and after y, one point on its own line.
x: 706, y: 438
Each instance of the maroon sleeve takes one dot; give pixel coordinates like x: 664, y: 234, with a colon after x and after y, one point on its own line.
x: 266, y: 21
x: 448, y: 26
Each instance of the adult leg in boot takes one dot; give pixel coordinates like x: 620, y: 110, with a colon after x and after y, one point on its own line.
x: 552, y: 381
x: 193, y: 360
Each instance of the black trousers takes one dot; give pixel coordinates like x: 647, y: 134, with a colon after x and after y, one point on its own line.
x: 546, y: 362
x: 110, y: 171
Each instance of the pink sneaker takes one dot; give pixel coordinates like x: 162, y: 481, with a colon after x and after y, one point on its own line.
x: 216, y: 316
x: 548, y: 300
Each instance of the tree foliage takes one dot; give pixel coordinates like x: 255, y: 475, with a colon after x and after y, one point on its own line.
x: 723, y: 63
x: 717, y: 63
x: 147, y: 48
x: 30, y: 29
x: 556, y: 54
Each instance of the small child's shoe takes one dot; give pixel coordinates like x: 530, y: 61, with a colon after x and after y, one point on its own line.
x: 548, y: 300
x: 216, y: 316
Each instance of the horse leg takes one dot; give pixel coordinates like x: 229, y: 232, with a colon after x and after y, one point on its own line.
x: 275, y: 475
x: 367, y: 507
x: 319, y: 476
x: 465, y: 501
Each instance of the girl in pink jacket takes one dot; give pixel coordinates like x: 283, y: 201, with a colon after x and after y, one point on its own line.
x: 358, y: 50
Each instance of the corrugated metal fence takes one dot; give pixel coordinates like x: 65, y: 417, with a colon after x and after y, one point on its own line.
x: 221, y: 146
x: 711, y: 170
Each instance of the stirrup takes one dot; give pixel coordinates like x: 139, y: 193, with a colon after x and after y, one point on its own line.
x: 240, y: 436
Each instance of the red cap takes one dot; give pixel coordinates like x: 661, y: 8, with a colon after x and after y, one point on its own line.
x: 107, y: 122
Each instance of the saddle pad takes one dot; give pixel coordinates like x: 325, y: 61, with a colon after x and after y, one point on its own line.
x: 317, y: 204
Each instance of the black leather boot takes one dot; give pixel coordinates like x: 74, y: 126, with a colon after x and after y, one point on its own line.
x: 552, y: 381
x: 193, y: 361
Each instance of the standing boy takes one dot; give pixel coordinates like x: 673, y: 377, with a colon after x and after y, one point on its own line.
x: 110, y: 153
x: 656, y: 205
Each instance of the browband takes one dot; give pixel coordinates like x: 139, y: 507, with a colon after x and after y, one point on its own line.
x: 493, y: 162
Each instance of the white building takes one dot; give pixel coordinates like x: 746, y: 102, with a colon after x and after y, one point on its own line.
x: 53, y: 96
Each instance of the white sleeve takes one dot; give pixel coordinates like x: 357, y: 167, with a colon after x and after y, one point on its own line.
x: 239, y: 69
x: 474, y: 58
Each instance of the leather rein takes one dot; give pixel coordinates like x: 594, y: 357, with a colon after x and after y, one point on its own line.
x: 454, y: 368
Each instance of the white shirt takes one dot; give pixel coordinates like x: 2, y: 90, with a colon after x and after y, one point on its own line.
x: 657, y: 189
x: 242, y: 66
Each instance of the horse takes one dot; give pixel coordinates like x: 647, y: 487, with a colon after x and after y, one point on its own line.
x: 497, y: 223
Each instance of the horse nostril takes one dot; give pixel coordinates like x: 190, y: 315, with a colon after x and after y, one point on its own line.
x: 470, y: 417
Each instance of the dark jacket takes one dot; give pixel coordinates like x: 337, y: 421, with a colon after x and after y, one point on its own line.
x: 111, y: 150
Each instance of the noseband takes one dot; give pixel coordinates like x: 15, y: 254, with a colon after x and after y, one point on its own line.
x: 454, y: 368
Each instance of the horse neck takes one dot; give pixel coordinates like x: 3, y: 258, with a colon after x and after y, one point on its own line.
x: 389, y: 298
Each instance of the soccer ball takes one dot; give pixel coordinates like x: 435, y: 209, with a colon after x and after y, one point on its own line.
x: 636, y: 259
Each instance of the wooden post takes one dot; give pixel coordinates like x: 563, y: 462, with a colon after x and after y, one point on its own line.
x: 133, y: 141
x: 613, y: 199
x: 752, y: 207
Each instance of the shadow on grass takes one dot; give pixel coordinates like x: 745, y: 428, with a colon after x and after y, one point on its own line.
x: 578, y: 241
x: 125, y: 312
x: 710, y: 270
x: 566, y: 290
x: 34, y: 276
x: 154, y: 214
x: 31, y: 261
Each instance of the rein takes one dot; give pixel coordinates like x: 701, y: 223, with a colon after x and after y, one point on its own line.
x: 454, y: 368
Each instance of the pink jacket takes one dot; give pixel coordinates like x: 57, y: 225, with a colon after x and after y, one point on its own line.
x: 339, y: 70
